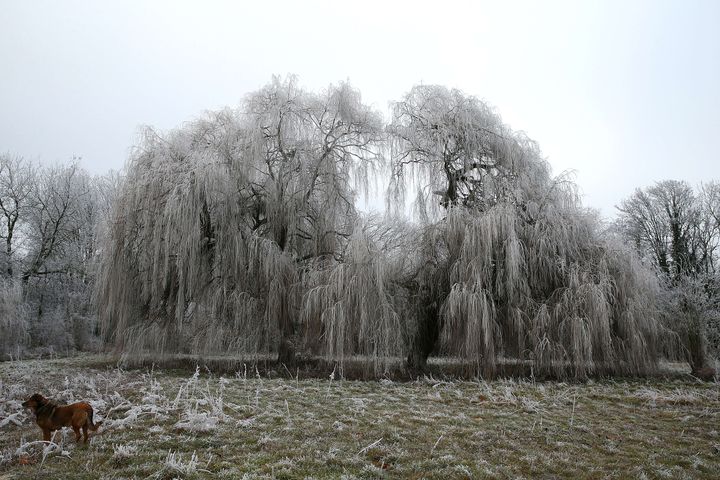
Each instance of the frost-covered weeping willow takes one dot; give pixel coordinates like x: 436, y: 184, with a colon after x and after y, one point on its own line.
x: 216, y: 221
x: 238, y: 233
x: 512, y: 265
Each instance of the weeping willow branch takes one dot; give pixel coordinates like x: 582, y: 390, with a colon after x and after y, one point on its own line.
x: 354, y: 308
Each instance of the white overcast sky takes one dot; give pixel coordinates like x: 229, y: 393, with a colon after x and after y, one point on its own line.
x: 624, y: 92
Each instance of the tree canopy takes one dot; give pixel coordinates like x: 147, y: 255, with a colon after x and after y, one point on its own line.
x: 238, y: 233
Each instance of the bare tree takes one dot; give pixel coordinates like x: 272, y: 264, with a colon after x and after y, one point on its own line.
x: 56, y: 220
x: 645, y: 226
x: 708, y: 227
x: 17, y: 200
x: 678, y: 230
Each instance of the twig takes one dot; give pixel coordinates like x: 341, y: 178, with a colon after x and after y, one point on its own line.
x: 374, y: 444
x: 436, y: 443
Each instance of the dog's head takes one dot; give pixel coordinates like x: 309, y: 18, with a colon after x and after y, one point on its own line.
x: 34, y: 402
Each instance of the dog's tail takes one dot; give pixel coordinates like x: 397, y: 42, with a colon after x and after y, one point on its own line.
x: 93, y: 426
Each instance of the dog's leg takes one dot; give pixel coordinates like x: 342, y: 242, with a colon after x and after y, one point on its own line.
x: 76, y: 429
x: 85, y: 431
x: 46, y: 434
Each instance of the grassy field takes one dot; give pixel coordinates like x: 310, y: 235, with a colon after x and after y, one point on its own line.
x: 176, y: 424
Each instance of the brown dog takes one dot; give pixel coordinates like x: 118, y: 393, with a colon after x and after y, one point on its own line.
x: 50, y: 416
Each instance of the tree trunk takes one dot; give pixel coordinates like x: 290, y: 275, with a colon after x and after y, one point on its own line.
x: 286, y: 353
x: 697, y: 356
x: 425, y: 339
x: 8, y: 253
x: 287, y: 328
x: 451, y: 192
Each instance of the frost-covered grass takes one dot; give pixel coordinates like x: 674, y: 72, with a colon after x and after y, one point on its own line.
x: 184, y: 424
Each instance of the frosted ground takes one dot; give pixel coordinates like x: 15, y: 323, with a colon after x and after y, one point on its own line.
x: 165, y: 424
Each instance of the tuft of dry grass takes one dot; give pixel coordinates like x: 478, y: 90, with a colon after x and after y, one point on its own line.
x: 252, y: 426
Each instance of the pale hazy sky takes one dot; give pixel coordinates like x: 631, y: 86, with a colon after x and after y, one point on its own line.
x: 624, y: 92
